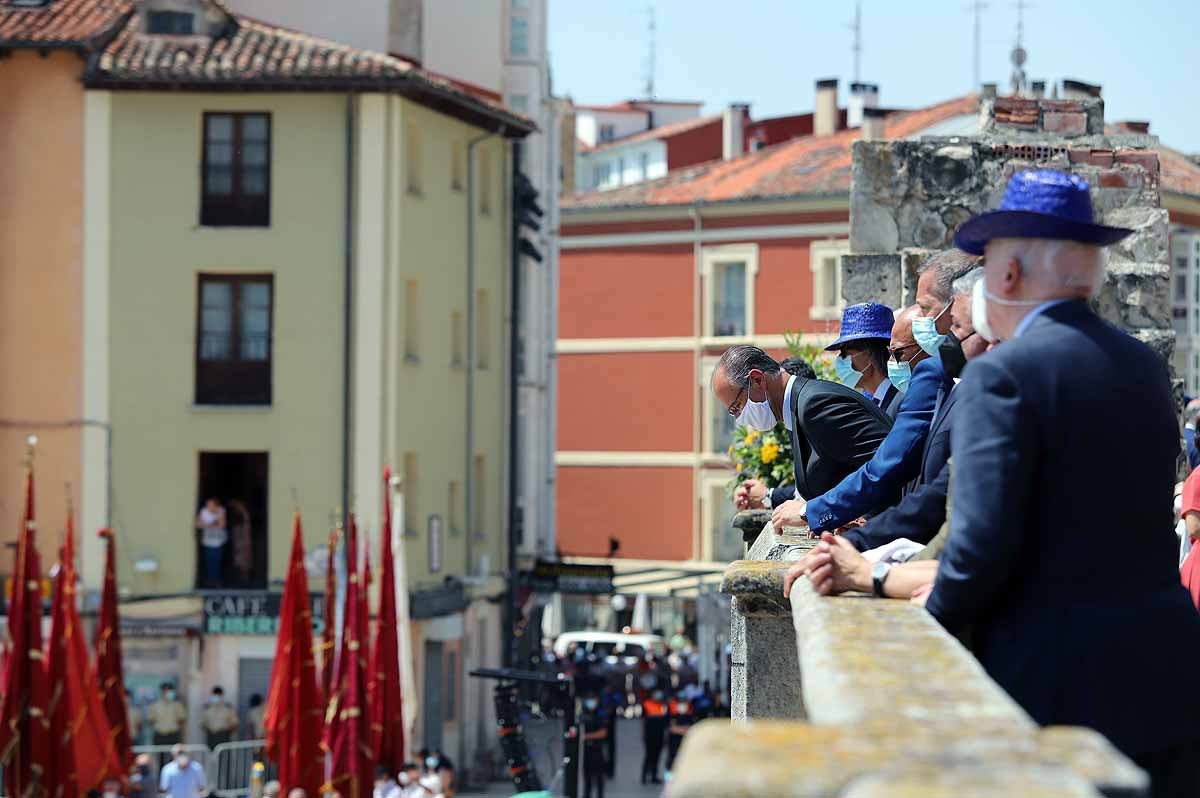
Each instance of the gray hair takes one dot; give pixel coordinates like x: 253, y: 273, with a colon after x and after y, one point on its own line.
x: 1061, y: 264
x: 966, y: 284
x: 949, y: 265
x: 738, y: 361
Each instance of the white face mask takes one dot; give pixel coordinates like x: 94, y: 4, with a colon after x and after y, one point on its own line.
x: 979, y: 317
x: 757, y: 416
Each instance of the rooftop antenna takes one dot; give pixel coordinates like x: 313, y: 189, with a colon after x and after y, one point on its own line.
x: 976, y: 8
x: 1019, y: 55
x: 856, y: 46
x: 649, y: 86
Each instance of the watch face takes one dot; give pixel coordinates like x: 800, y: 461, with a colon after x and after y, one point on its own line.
x: 880, y: 571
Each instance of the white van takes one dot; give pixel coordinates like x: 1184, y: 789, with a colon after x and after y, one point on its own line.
x: 613, y: 648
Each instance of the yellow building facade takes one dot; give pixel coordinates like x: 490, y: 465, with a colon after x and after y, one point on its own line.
x: 263, y: 281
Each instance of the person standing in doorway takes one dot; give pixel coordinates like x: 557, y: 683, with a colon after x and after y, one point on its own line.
x: 210, y: 522
x: 242, y: 542
x: 167, y: 716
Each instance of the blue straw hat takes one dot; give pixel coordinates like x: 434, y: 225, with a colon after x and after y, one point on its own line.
x: 1040, y: 203
x: 865, y: 320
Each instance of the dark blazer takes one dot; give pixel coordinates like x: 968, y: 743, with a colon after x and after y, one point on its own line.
x: 836, y: 429
x: 890, y: 403
x: 922, y: 511
x: 1061, y: 553
x: 878, y: 483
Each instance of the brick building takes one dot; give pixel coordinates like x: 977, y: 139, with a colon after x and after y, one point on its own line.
x: 660, y: 277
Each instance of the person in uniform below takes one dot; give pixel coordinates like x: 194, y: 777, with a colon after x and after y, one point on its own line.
x: 167, y: 716
x: 219, y: 719
x: 681, y: 717
x: 595, y: 734
x: 654, y: 728
x: 256, y: 718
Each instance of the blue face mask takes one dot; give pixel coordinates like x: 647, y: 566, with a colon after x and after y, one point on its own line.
x: 899, y: 374
x: 925, y: 331
x: 846, y: 373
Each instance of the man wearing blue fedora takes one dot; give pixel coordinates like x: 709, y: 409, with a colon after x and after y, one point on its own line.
x: 862, y: 349
x: 1079, y: 615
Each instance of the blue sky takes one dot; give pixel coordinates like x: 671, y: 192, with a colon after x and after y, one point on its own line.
x: 769, y: 52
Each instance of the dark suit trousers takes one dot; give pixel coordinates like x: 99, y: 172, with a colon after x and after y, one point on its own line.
x: 1174, y: 772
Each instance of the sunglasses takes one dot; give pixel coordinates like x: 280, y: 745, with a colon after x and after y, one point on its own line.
x: 736, y: 399
x: 898, y: 352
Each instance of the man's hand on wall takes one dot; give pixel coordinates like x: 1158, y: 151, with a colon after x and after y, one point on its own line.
x: 749, y: 495
x: 790, y: 513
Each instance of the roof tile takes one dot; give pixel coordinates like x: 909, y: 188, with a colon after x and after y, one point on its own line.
x: 805, y: 165
x: 59, y: 23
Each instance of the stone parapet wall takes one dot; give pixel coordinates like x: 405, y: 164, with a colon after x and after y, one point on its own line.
x: 878, y: 700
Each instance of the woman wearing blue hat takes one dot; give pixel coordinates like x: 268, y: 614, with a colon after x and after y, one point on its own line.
x: 862, y: 351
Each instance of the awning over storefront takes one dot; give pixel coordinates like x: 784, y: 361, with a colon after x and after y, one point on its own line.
x: 659, y: 577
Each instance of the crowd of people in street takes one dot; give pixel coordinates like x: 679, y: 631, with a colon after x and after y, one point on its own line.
x: 664, y: 690
x: 1000, y: 455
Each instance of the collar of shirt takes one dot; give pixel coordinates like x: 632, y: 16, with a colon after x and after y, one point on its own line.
x: 1037, y: 311
x: 787, y: 402
x: 881, y: 391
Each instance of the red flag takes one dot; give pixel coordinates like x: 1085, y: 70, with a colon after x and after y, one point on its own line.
x: 24, y: 731
x: 83, y: 748
x: 61, y: 779
x: 328, y: 630
x: 109, y: 667
x: 294, y: 706
x: 383, y: 687
x: 351, y: 774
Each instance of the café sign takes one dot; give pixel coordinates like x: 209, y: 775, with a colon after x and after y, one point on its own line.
x: 251, y: 612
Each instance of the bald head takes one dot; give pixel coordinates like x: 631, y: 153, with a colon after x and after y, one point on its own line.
x: 903, y: 344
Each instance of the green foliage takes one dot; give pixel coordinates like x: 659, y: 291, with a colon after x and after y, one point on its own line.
x: 815, y: 356
x: 761, y: 455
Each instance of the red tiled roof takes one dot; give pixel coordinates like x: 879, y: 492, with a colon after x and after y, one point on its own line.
x: 59, y: 23
x: 802, y: 166
x: 661, y: 132
x: 1178, y: 173
x: 249, y: 55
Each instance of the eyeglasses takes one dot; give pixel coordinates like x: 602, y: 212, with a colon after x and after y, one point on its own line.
x: 738, y: 412
x: 898, y: 352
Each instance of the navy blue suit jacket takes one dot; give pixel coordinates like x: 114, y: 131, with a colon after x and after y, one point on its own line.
x: 922, y: 511
x: 1061, y: 554
x: 877, y: 483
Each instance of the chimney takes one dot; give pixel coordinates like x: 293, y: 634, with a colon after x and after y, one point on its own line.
x: 1078, y: 90
x: 1132, y: 126
x: 872, y: 124
x: 1037, y: 89
x: 862, y: 95
x: 988, y: 91
x: 733, y: 130
x: 825, y: 110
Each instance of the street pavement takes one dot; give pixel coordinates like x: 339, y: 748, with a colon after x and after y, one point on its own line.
x: 546, y: 747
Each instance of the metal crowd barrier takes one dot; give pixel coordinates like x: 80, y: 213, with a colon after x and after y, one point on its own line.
x: 226, y: 767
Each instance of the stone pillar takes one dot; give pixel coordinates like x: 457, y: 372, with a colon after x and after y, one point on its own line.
x: 765, y: 672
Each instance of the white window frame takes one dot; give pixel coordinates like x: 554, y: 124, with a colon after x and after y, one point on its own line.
x: 818, y: 251
x: 710, y: 485
x: 708, y: 406
x: 710, y: 260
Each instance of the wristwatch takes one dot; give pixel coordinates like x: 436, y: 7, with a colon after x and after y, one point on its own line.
x: 879, y: 573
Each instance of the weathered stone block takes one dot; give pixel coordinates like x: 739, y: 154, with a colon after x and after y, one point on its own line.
x: 1149, y: 241
x: 873, y: 278
x: 935, y: 780
x: 1134, y: 296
